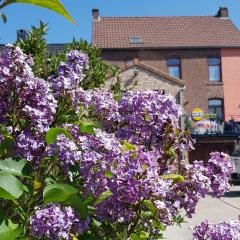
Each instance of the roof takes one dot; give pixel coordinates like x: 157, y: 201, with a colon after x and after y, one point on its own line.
x: 138, y: 63
x: 56, y: 48
x: 165, y: 32
x: 51, y: 48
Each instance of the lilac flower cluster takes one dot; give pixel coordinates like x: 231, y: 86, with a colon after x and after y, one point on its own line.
x: 219, y: 170
x: 55, y: 222
x: 31, y: 147
x: 143, y: 115
x: 200, y: 178
x: 70, y: 74
x: 139, y: 117
x: 66, y: 151
x: 132, y: 175
x: 101, y: 105
x: 22, y: 96
x: 228, y: 230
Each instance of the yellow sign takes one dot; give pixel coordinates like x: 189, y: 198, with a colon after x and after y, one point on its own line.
x: 197, y: 114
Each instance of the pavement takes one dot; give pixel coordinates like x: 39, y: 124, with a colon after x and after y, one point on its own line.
x: 215, y: 210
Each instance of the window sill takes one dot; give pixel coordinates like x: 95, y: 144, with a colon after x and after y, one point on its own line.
x: 214, y: 83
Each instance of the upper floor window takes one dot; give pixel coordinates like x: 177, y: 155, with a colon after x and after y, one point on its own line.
x: 174, y: 67
x: 215, y: 106
x: 214, y: 69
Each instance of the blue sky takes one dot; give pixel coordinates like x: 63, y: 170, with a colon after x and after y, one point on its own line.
x: 22, y: 16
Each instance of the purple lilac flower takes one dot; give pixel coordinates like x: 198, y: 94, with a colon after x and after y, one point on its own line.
x: 66, y: 151
x: 200, y: 179
x: 102, y: 106
x: 55, y: 222
x: 23, y: 94
x: 31, y: 147
x: 228, y: 230
x: 220, y: 169
x: 143, y: 115
x: 70, y: 74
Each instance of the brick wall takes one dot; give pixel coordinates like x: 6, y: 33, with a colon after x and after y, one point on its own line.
x: 194, y: 69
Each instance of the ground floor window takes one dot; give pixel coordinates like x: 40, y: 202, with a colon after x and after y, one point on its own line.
x: 215, y: 106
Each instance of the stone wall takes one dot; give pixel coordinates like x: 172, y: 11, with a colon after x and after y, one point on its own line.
x: 138, y: 78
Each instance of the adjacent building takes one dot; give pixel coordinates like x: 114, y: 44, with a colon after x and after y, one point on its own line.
x: 199, y: 53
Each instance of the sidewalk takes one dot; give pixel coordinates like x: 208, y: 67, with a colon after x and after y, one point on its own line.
x: 215, y: 210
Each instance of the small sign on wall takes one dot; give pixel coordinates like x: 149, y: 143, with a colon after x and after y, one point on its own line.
x: 197, y: 114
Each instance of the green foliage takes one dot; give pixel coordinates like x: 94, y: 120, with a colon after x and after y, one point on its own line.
x: 103, y: 196
x: 88, y: 127
x: 9, y: 230
x: 13, y: 166
x: 10, y: 187
x: 58, y: 193
x: 54, y: 5
x: 126, y: 147
x: 35, y: 45
x: 4, y: 18
x: 46, y: 64
x: 175, y: 177
x: 51, y: 135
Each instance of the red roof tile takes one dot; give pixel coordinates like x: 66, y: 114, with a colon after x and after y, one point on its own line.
x: 165, y: 32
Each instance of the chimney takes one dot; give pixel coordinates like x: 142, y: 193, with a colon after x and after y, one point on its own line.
x: 222, y: 12
x: 95, y: 14
x: 22, y: 34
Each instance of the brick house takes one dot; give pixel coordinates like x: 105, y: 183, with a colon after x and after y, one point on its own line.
x: 200, y: 52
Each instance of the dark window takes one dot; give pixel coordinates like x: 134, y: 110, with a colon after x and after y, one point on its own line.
x: 174, y: 67
x: 214, y: 69
x: 215, y: 106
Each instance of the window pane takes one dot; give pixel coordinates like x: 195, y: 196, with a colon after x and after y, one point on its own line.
x: 173, y: 61
x: 215, y: 107
x: 219, y: 113
x: 213, y: 61
x: 215, y: 102
x: 174, y: 71
x: 214, y: 73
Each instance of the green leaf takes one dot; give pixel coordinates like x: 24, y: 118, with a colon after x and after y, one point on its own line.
x: 6, y: 146
x: 9, y: 230
x: 4, y: 18
x: 10, y: 187
x: 175, y: 177
x: 108, y: 174
x: 54, y: 5
x: 52, y: 134
x: 150, y: 205
x: 88, y: 127
x: 126, y: 147
x: 138, y: 236
x: 103, y: 196
x: 58, y: 193
x: 144, y: 235
x: 12, y: 166
x: 77, y: 203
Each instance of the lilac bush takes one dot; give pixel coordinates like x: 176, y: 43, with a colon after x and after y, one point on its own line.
x: 228, y: 230
x: 92, y: 165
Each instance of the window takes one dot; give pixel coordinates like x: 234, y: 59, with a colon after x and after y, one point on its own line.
x: 214, y: 69
x: 135, y: 40
x: 174, y: 67
x: 215, y: 106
